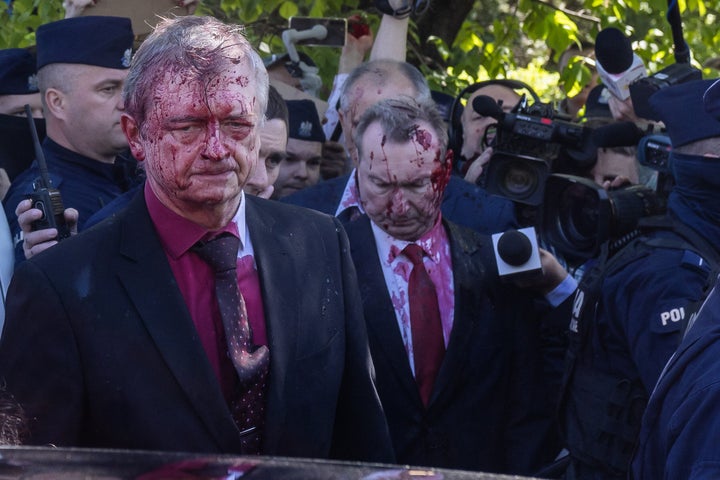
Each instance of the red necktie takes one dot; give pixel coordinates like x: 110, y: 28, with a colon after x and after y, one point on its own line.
x: 251, y: 362
x: 427, y: 333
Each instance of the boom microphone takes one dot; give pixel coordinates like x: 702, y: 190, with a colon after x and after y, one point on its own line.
x: 616, y: 64
x: 487, y: 107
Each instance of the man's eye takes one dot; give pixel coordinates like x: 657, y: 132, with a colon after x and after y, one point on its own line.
x: 274, y: 160
x: 238, y: 125
x: 186, y: 128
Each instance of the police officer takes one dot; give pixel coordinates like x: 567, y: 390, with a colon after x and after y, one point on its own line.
x: 18, y: 87
x: 82, y: 63
x: 631, y: 308
x: 681, y: 426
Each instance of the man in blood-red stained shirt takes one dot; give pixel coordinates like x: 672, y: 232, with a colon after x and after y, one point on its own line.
x: 198, y: 319
x: 456, y: 351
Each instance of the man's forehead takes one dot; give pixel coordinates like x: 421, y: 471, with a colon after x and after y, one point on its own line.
x: 223, y: 78
x: 304, y: 148
x: 422, y: 135
x: 367, y: 92
x: 93, y: 73
x: 498, y: 92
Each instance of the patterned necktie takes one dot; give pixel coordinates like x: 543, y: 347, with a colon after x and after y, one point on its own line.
x: 427, y: 335
x: 251, y: 362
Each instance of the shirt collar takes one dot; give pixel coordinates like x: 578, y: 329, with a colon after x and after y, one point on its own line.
x: 390, y: 248
x: 177, y: 233
x: 351, y: 196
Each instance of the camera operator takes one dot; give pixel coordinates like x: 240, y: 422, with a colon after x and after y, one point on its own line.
x: 474, y: 150
x: 615, y: 167
x: 631, y: 307
x: 680, y: 429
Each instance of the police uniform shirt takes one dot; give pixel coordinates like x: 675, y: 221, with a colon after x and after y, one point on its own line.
x: 681, y: 426
x: 643, y: 310
x: 84, y: 184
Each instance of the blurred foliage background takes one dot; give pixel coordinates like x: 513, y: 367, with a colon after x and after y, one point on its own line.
x: 458, y: 42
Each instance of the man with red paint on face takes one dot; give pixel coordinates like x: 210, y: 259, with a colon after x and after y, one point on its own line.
x: 117, y: 337
x: 463, y: 388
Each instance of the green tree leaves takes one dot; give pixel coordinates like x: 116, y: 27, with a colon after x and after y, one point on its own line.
x: 457, y: 42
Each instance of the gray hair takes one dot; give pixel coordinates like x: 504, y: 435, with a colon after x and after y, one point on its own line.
x: 60, y: 76
x: 380, y: 73
x: 399, y: 119
x: 202, y: 45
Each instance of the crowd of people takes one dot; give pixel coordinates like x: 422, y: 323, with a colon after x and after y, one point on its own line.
x: 253, y: 270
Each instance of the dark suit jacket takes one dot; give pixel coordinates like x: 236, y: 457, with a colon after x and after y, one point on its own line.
x: 490, y: 408
x: 100, y: 350
x: 463, y: 203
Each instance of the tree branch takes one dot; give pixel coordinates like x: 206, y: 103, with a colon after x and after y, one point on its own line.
x: 569, y: 13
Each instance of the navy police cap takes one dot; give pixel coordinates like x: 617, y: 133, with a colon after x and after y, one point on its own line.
x: 17, y: 72
x: 93, y: 40
x: 712, y: 99
x: 304, y: 121
x: 682, y: 110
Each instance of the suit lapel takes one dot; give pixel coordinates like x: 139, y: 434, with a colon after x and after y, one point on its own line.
x: 465, y: 278
x: 379, y: 312
x: 150, y: 285
x: 273, y: 251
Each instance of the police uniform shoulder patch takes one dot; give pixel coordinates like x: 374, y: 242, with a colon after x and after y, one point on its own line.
x: 695, y: 261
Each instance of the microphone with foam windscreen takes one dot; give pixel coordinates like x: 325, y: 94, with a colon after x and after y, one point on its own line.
x: 487, y: 107
x: 517, y: 253
x: 616, y: 63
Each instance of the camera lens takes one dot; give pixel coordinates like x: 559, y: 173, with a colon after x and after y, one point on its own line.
x: 518, y: 179
x: 578, y: 214
x: 630, y: 204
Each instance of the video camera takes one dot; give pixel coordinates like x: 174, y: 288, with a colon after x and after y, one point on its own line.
x: 578, y: 215
x: 528, y: 144
x: 644, y: 88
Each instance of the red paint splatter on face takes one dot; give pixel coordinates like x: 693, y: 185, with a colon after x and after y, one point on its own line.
x: 440, y: 175
x: 424, y: 138
x: 242, y: 80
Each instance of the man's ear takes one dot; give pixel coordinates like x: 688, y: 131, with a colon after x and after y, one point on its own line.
x: 132, y: 133
x: 55, y: 102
